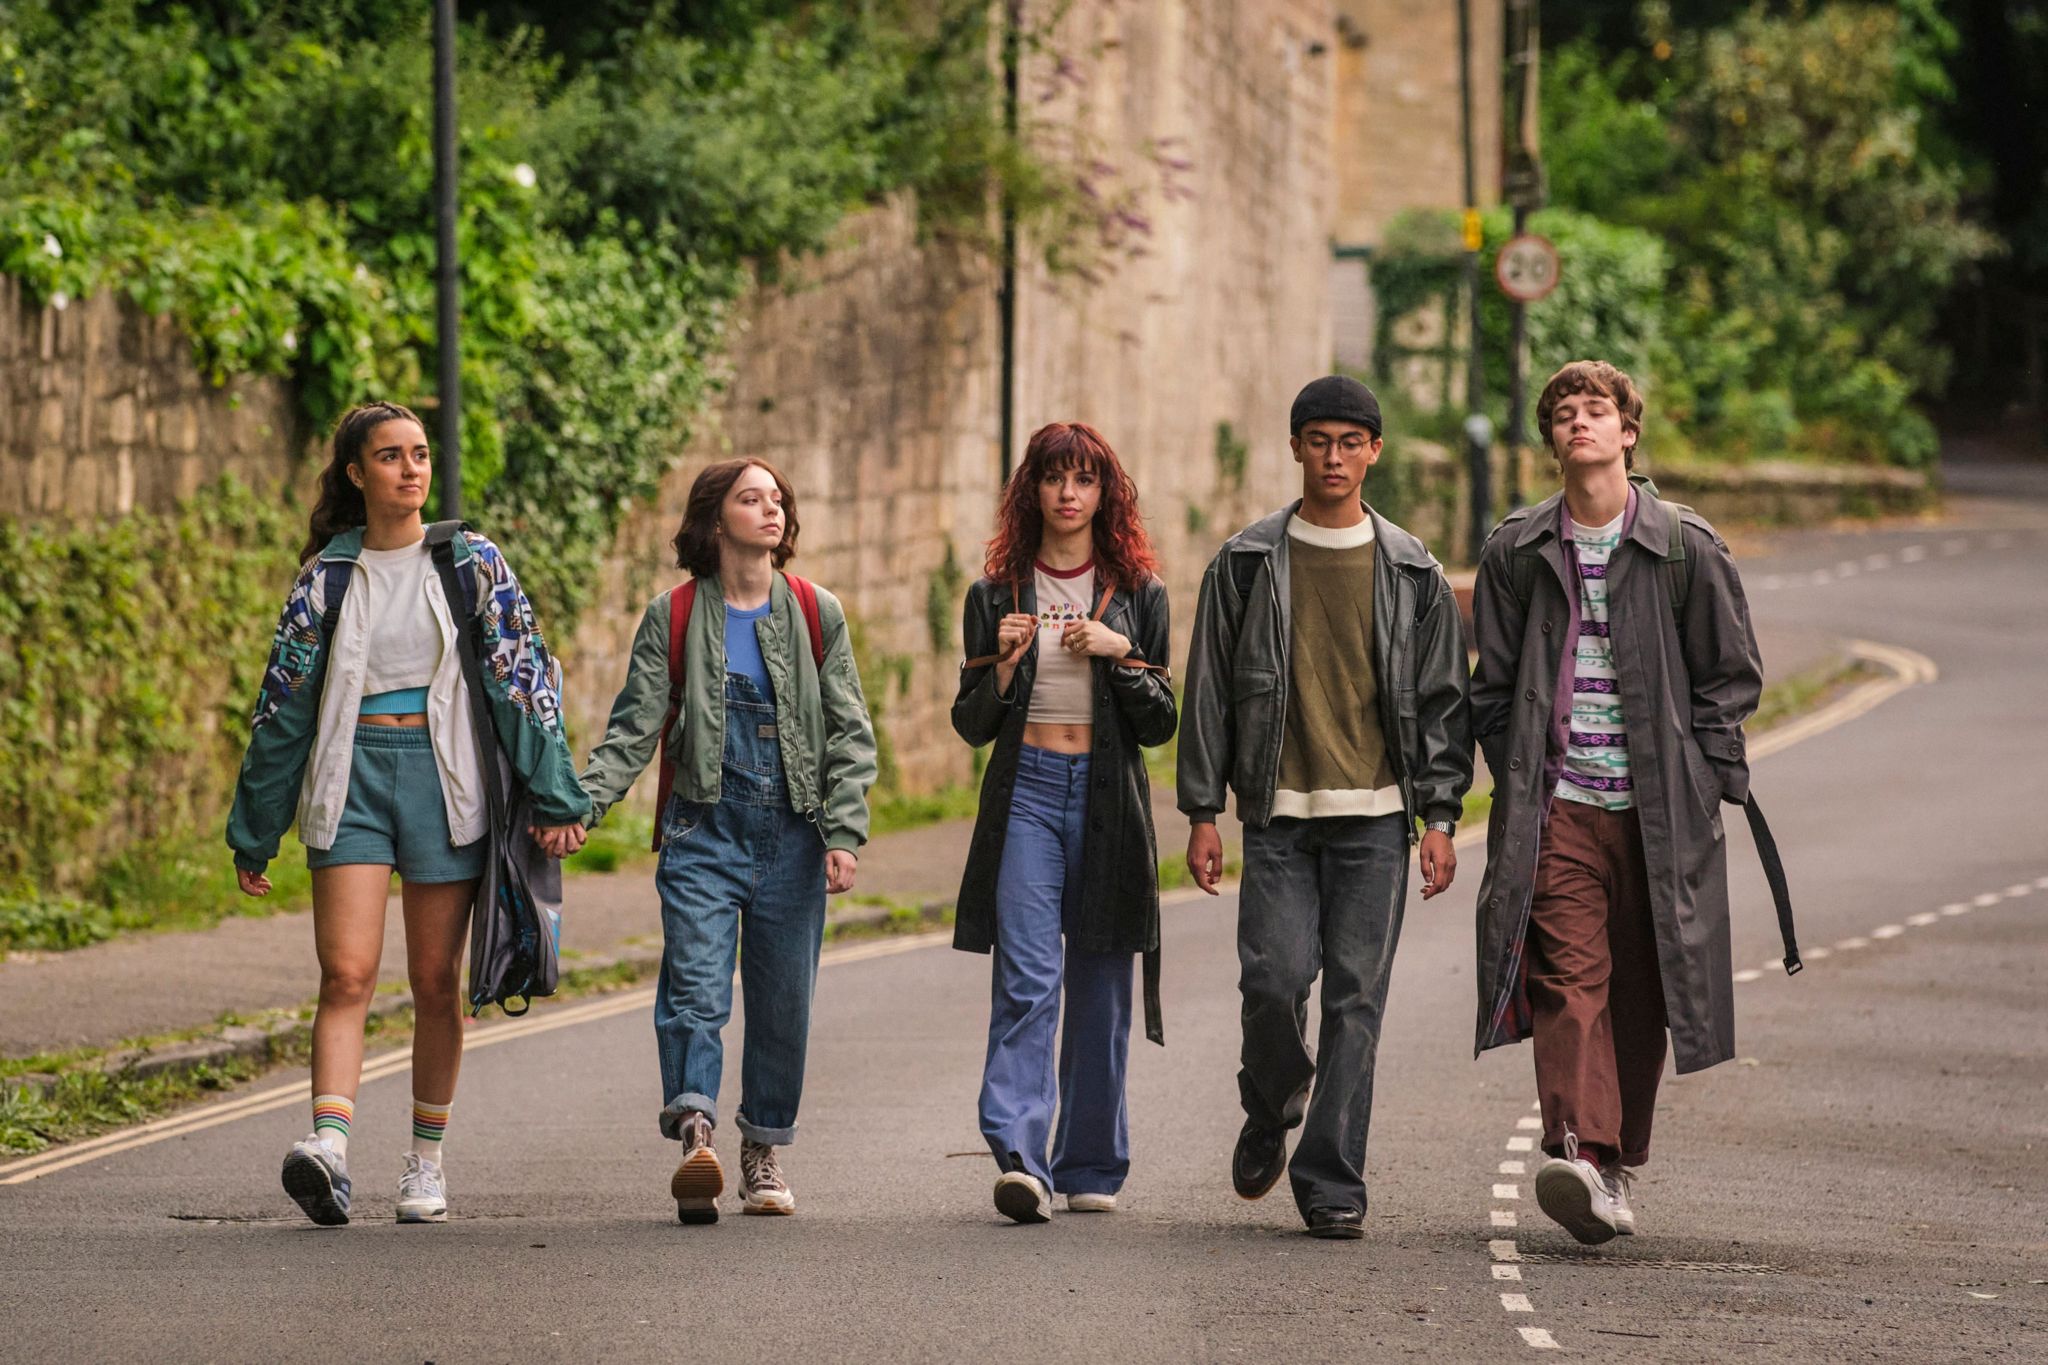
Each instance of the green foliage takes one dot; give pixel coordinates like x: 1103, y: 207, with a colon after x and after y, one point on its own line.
x: 1233, y: 455
x: 1813, y: 226
x: 1608, y: 303
x: 941, y: 596
x: 114, y: 740
x: 265, y: 174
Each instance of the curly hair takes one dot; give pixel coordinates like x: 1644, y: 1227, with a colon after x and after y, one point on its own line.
x: 1123, y: 552
x: 339, y: 505
x: 1595, y: 377
x: 696, y: 540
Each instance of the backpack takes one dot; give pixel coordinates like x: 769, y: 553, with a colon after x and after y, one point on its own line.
x: 681, y: 603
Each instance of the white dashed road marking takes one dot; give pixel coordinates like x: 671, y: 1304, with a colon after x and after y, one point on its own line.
x: 1504, y: 1218
x: 1501, y: 1191
x: 1538, y: 1338
x: 1529, y: 1123
x: 1517, y: 1303
x: 1521, y: 1144
x: 1922, y: 920
x: 1514, y: 1168
x: 1506, y: 1272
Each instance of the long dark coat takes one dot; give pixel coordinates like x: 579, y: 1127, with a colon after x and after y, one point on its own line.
x: 1134, y: 709
x: 1688, y: 683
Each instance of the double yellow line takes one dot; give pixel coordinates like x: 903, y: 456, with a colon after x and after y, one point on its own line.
x: 390, y: 1063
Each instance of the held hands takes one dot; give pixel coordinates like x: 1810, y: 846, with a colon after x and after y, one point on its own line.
x: 1439, y: 863
x: 839, y: 869
x: 1205, y: 856
x: 558, y: 841
x: 252, y: 883
x: 1092, y: 637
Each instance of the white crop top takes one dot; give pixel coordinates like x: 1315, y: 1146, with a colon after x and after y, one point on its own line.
x: 403, y: 646
x: 1062, y: 689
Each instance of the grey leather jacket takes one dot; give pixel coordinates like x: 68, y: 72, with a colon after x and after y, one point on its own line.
x: 1234, y: 709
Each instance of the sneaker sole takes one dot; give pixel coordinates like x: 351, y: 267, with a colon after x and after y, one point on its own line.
x: 1016, y: 1202
x: 774, y: 1206
x: 422, y: 1213
x: 696, y: 1185
x: 1564, y: 1198
x: 310, y: 1187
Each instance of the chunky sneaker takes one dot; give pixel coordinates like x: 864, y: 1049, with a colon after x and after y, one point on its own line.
x: 316, y: 1177
x: 1091, y: 1203
x: 422, y: 1191
x: 1022, y: 1198
x: 762, y: 1188
x: 1619, y: 1178
x: 1258, y: 1161
x: 699, y: 1179
x: 1573, y: 1192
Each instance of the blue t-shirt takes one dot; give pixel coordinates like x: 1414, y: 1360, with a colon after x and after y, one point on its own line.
x: 743, y: 646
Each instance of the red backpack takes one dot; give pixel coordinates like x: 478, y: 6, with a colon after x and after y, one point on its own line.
x: 681, y: 603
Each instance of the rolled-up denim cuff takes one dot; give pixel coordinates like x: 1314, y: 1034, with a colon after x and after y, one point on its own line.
x: 672, y: 1116
x: 770, y: 1137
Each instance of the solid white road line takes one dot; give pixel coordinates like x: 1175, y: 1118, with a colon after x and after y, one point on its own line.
x: 301, y: 1092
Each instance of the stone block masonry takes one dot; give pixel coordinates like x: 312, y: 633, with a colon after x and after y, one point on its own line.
x: 103, y: 413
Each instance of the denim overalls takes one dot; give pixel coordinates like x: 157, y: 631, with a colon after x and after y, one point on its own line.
x: 748, y: 873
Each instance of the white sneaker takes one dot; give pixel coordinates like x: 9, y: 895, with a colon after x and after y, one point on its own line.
x: 422, y: 1191
x: 1022, y: 1198
x: 1572, y: 1191
x: 1618, y: 1179
x: 762, y: 1188
x: 1091, y: 1203
x: 316, y: 1177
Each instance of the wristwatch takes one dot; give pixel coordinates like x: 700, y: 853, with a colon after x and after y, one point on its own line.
x: 1447, y: 828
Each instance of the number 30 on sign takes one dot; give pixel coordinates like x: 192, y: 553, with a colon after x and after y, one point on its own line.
x: 1526, y: 268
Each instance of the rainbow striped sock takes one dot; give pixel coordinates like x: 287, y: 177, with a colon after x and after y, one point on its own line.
x: 332, y: 1115
x: 429, y: 1126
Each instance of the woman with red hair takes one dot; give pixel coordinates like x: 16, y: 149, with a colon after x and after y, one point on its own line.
x: 1067, y: 639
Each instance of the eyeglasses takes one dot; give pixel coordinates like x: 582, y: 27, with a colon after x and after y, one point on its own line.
x: 1319, y: 444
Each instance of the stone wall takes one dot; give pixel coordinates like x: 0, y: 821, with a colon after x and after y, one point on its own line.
x: 873, y: 379
x: 1399, y: 142
x: 103, y: 412
x: 869, y: 378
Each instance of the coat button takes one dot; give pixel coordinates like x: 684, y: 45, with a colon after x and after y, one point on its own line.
x: 1546, y: 627
x: 1529, y: 694
x: 1514, y: 765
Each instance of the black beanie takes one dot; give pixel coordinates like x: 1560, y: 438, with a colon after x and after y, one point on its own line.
x: 1336, y: 398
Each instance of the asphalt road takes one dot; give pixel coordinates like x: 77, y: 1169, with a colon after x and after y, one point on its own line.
x: 1864, y: 1184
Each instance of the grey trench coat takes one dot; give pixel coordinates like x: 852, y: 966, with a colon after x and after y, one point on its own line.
x: 1689, y: 680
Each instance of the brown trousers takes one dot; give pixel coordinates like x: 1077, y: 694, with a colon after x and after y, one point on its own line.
x: 1594, y: 983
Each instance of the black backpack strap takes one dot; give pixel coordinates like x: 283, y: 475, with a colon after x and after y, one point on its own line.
x: 1774, y: 873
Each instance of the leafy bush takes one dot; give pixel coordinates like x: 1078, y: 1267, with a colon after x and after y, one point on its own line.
x: 1813, y: 229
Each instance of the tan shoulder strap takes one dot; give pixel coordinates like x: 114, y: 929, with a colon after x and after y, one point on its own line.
x: 1101, y: 610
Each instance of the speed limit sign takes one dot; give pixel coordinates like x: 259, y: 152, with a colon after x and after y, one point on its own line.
x: 1526, y: 267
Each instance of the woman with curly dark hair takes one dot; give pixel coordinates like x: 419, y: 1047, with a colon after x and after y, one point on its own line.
x: 743, y: 677
x: 1067, y: 639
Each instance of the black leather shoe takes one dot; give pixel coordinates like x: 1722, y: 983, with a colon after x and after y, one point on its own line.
x: 1348, y: 1224
x: 1260, y: 1157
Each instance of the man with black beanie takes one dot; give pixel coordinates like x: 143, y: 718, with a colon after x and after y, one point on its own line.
x: 1326, y: 686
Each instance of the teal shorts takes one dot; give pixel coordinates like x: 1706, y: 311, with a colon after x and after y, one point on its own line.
x: 395, y: 814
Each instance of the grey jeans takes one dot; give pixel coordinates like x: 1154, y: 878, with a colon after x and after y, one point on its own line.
x: 1325, y: 896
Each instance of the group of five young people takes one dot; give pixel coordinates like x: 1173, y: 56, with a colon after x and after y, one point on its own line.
x: 1327, y: 687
